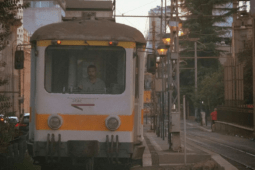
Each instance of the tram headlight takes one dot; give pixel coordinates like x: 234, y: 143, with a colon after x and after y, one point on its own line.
x: 55, y: 122
x: 112, y: 123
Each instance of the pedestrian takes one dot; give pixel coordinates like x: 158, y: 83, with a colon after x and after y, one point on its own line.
x: 214, y: 118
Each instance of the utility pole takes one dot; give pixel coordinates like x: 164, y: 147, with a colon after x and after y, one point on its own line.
x: 165, y: 15
x: 162, y: 78
x: 174, y: 138
x: 253, y: 60
x: 161, y: 19
x: 153, y: 35
x: 196, y: 114
x: 154, y: 77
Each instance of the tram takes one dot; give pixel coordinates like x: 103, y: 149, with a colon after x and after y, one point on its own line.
x: 87, y: 86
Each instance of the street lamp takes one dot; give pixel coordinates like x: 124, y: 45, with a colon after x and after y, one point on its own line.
x: 162, y: 50
x: 167, y: 40
x: 158, y: 59
x: 173, y: 80
x: 173, y: 24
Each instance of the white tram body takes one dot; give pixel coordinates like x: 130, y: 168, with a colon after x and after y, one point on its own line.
x: 68, y: 123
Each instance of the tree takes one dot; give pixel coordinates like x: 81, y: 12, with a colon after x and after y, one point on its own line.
x: 8, y: 21
x: 206, y: 20
x: 6, y: 131
x: 8, y: 12
x: 211, y: 89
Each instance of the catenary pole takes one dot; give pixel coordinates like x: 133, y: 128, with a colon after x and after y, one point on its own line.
x: 253, y: 60
x: 165, y: 16
x: 184, y: 126
x: 195, y: 43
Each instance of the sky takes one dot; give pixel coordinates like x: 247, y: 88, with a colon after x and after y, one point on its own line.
x: 135, y: 7
x: 139, y: 7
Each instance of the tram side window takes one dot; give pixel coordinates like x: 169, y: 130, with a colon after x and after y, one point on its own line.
x: 85, y: 70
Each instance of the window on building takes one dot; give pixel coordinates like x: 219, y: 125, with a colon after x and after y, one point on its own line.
x: 42, y: 4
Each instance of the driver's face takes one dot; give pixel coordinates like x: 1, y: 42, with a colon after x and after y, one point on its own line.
x: 92, y: 73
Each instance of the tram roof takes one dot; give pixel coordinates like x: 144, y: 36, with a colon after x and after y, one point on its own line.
x: 93, y: 30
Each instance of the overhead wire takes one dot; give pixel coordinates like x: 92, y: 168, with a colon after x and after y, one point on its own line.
x: 139, y: 7
x: 126, y: 19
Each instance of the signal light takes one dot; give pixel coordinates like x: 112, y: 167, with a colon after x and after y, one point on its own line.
x: 55, y: 42
x: 19, y: 60
x: 111, y: 43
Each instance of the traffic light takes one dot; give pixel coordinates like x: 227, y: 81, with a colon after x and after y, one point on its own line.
x: 151, y: 63
x: 19, y: 60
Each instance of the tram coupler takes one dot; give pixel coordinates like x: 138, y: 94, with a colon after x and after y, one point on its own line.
x: 112, y: 149
x: 53, y: 148
x: 137, y: 157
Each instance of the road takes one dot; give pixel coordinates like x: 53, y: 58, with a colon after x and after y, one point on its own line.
x: 239, y: 151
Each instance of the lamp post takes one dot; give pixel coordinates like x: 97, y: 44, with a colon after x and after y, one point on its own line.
x: 172, y: 42
x: 158, y: 59
x: 162, y: 51
x: 167, y: 40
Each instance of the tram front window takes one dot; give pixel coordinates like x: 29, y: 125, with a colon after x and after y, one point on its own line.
x: 85, y: 69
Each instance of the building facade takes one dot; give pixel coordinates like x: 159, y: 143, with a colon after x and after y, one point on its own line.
x: 41, y: 13
x: 153, y: 35
x: 25, y: 75
x: 20, y: 29
x: 233, y: 69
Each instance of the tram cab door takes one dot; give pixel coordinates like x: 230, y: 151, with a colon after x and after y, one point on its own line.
x: 138, y: 66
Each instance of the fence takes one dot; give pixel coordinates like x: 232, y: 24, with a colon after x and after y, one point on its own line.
x: 240, y: 115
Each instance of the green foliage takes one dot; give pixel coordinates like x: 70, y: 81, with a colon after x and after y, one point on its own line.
x: 8, y: 18
x: 211, y: 89
x: 4, y: 105
x: 6, y: 130
x: 8, y: 11
x: 203, y: 24
x: 7, y: 133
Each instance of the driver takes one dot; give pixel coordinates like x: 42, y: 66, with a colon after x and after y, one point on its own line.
x: 92, y: 84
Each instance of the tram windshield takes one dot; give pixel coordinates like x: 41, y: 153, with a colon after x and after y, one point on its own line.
x: 85, y: 69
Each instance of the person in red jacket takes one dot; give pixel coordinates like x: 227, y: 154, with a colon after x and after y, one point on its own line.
x: 214, y: 117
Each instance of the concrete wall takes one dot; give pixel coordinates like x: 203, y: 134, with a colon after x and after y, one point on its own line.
x: 232, y: 129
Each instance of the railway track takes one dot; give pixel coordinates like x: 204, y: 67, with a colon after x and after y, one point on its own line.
x: 239, y: 157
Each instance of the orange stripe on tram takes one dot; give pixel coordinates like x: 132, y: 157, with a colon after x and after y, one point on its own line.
x: 85, y: 122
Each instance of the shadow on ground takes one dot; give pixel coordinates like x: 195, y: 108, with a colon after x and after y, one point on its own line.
x: 205, y: 165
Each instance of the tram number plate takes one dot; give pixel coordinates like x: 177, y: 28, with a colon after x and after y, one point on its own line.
x: 83, y: 148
